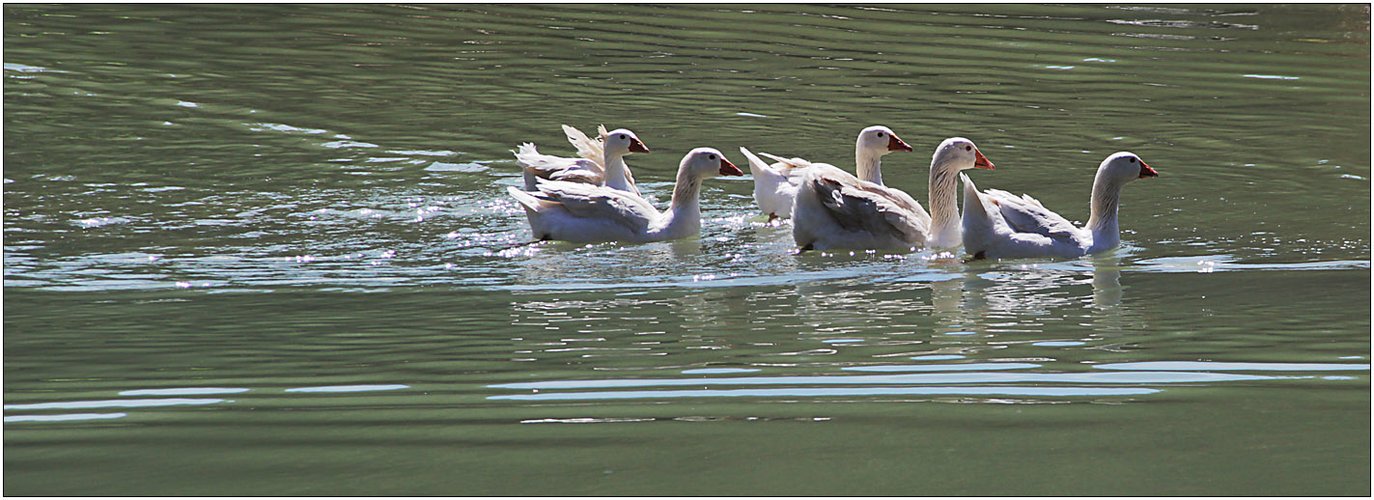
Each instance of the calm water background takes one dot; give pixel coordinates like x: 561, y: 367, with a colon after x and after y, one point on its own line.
x: 256, y: 249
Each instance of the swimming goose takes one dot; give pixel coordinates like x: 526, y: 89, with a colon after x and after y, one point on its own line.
x: 1000, y: 225
x: 775, y: 186
x: 602, y: 161
x: 836, y: 210
x: 586, y: 213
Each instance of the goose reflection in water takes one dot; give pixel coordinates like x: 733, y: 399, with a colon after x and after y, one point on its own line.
x: 978, y: 299
x: 1106, y: 281
x: 552, y: 265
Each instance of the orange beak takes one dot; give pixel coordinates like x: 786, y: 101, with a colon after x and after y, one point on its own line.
x: 980, y: 161
x: 1146, y: 171
x: 727, y: 168
x: 637, y: 147
x: 895, y: 143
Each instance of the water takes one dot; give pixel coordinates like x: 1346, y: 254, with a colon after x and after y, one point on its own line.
x: 257, y: 249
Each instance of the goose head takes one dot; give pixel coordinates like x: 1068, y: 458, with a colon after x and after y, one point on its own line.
x: 623, y: 141
x: 706, y: 163
x: 1125, y: 167
x: 879, y: 140
x: 959, y: 153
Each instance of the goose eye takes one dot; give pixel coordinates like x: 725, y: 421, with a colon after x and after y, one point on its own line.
x: 712, y: 157
x: 1132, y: 160
x: 880, y: 135
x: 622, y: 137
x: 968, y: 148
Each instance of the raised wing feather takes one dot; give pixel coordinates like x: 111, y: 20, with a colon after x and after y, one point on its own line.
x: 587, y: 147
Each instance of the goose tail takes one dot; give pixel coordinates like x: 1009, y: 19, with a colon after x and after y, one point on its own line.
x: 527, y: 200
x: 526, y: 155
x: 756, y: 164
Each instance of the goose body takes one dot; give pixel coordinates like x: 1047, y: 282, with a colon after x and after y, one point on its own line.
x: 601, y: 161
x: 836, y: 210
x: 587, y: 213
x: 1000, y: 225
x: 775, y: 186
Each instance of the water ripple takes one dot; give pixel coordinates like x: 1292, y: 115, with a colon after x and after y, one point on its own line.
x: 1229, y: 366
x: 351, y: 388
x: 67, y: 417
x: 834, y: 392
x: 184, y: 391
x: 1141, y: 377
x: 115, y: 403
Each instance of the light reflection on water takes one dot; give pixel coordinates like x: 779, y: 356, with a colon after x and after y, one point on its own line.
x: 114, y: 403
x: 184, y: 391
x: 153, y: 403
x: 1231, y: 366
x: 936, y: 368
x: 66, y: 417
x: 937, y: 357
x: 1145, y: 377
x: 350, y: 388
x: 922, y: 378
x: 833, y: 392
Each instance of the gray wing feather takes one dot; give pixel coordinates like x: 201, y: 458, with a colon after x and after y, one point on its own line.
x: 575, y: 175
x: 1027, y: 215
x: 599, y: 202
x: 860, y: 207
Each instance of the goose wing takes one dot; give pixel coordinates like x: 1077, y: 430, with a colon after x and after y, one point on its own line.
x: 545, y: 166
x: 863, y: 206
x: 598, y: 202
x: 1025, y: 214
x: 588, y: 148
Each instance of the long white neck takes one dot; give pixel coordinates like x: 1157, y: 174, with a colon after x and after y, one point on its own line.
x: 868, y: 165
x: 1102, y: 221
x: 615, y: 171
x: 683, y: 217
x: 945, y: 226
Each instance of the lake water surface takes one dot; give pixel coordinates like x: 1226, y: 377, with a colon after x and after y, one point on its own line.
x: 255, y: 249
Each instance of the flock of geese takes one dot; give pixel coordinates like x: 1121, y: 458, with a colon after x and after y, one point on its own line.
x: 593, y: 198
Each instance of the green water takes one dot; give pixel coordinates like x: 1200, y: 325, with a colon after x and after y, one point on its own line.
x: 256, y: 249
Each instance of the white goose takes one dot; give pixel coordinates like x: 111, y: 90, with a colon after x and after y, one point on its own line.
x: 587, y: 213
x: 602, y: 161
x: 836, y: 210
x: 775, y: 186
x: 1000, y: 225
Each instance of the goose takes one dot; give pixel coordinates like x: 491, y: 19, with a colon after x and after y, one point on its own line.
x: 1000, y: 225
x: 587, y: 213
x: 836, y: 210
x: 602, y: 161
x: 775, y: 186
